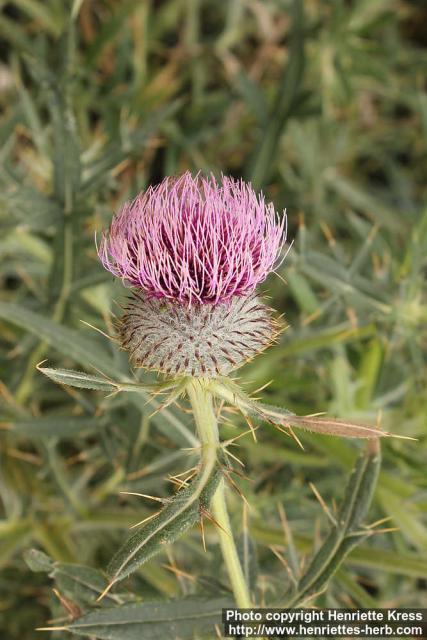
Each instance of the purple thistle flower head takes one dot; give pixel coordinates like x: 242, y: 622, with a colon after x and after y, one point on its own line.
x: 194, y: 240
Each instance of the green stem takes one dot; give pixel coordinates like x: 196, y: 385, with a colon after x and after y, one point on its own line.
x: 204, y: 416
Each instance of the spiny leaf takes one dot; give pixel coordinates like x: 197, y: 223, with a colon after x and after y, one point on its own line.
x: 347, y: 532
x: 152, y: 620
x: 78, y: 379
x: 230, y: 392
x: 75, y: 581
x: 84, y: 380
x: 54, y: 426
x: 181, y: 513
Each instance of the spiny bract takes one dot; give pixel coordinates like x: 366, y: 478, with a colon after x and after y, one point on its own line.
x: 203, y: 341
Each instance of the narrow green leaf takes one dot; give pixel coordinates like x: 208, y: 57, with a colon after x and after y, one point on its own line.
x: 358, y: 594
x: 404, y: 564
x: 369, y: 370
x: 78, y: 582
x: 180, y: 513
x: 230, y: 392
x: 360, y: 488
x: 246, y: 549
x: 84, y: 380
x: 302, y: 291
x: 347, y: 532
x: 152, y: 620
x: 14, y: 533
x: 37, y: 560
x: 262, y: 160
x: 407, y: 515
x: 78, y: 379
x: 253, y: 96
x: 55, y: 426
x: 362, y: 200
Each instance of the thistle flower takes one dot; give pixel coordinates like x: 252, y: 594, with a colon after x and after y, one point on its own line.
x: 195, y: 249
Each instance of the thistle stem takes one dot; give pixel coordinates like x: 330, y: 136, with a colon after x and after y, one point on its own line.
x: 204, y: 416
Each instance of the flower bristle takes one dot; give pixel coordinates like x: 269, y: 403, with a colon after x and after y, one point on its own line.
x: 194, y: 240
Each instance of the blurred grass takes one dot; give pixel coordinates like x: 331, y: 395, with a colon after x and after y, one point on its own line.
x: 323, y: 105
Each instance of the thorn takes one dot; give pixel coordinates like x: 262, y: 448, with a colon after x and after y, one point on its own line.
x: 377, y: 522
x: 313, y: 316
x: 70, y: 607
x: 294, y: 436
x: 106, y: 590
x: 327, y: 233
x: 210, y: 517
x: 264, y: 386
x: 245, y: 433
x: 202, y: 533
x: 112, y: 338
x: 178, y: 572
x: 285, y: 282
x: 228, y: 470
x: 284, y: 523
x: 284, y: 563
x: 251, y: 427
x: 237, y: 489
x: 228, y: 453
x: 113, y: 393
x: 389, y: 530
x: 145, y: 520
x: 184, y: 482
x: 315, y: 415
x: 322, y: 503
x: 183, y: 473
x: 142, y: 495
x: 179, y: 483
x: 279, y: 428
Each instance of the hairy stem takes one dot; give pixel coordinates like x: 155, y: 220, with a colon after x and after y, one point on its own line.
x: 201, y: 402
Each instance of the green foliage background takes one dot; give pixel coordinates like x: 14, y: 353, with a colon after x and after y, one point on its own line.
x: 323, y: 105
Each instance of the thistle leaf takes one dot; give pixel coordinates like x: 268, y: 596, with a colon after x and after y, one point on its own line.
x: 152, y: 620
x: 229, y: 391
x: 347, y: 532
x: 84, y: 380
x: 58, y: 426
x: 78, y: 379
x: 78, y: 582
x: 180, y: 513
